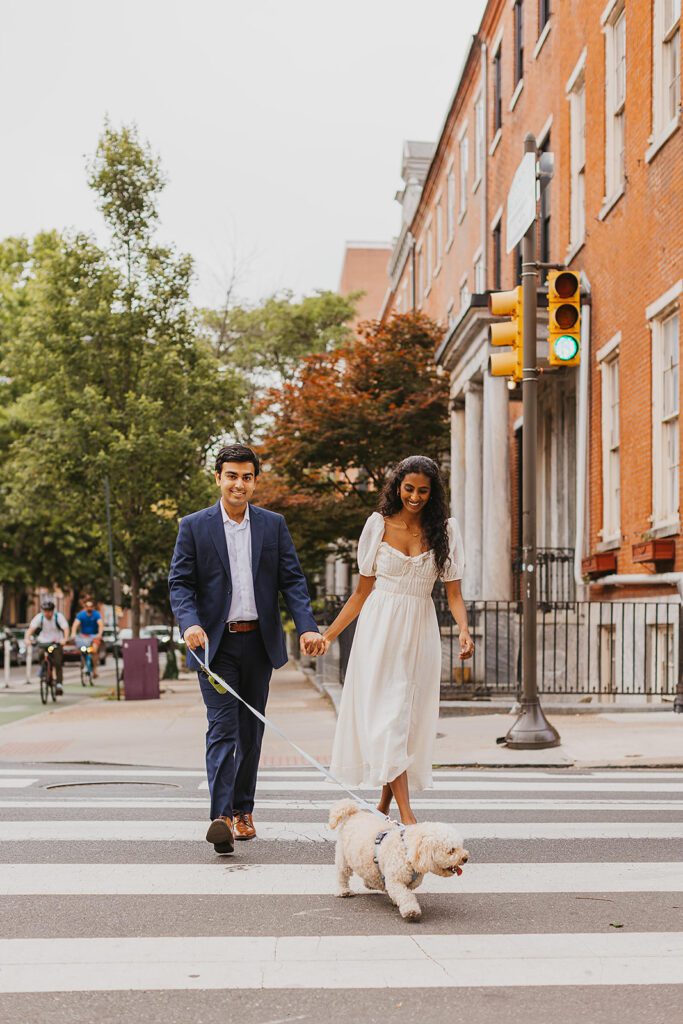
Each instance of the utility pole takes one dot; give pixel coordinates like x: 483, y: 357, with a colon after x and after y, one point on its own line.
x: 112, y: 588
x: 532, y: 730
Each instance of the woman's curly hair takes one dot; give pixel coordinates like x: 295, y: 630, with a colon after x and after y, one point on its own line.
x: 435, y: 512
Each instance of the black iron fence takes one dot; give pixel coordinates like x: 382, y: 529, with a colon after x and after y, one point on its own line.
x: 554, y: 575
x: 601, y: 648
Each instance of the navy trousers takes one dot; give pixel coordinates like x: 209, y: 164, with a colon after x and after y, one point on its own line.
x: 234, y: 735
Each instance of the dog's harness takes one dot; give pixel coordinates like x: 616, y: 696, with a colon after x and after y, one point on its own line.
x: 379, y: 839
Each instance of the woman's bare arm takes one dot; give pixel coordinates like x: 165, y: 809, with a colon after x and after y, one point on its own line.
x: 459, y: 613
x: 352, y: 608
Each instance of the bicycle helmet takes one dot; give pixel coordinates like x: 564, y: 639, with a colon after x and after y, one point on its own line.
x: 47, y: 605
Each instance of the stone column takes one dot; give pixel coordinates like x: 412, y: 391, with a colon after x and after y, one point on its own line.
x: 473, y: 491
x: 458, y: 479
x: 496, y: 580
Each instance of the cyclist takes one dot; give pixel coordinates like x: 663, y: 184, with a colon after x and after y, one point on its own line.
x: 50, y: 627
x: 87, y: 630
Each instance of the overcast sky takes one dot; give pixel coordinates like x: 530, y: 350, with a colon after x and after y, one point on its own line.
x: 279, y: 122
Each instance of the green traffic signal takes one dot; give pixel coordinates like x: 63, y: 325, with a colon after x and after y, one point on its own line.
x: 566, y: 347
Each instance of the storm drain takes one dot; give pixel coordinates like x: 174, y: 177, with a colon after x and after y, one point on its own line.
x: 113, y: 782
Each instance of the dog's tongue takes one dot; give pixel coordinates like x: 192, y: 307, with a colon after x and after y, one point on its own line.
x: 458, y: 871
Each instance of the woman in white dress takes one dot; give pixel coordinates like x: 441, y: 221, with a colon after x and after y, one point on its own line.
x: 390, y: 703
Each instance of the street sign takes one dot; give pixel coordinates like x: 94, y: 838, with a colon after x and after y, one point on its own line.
x: 521, y: 207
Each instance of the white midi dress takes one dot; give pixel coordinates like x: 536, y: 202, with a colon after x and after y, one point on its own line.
x: 390, y: 701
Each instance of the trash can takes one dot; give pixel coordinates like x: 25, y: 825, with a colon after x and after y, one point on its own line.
x: 141, y: 668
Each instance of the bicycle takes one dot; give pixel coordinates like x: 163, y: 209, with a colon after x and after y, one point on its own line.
x: 48, y: 686
x: 87, y: 667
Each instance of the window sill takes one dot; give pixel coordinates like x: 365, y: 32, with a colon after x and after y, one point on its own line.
x: 449, y: 243
x: 516, y: 94
x: 495, y: 141
x: 437, y: 269
x: 667, y: 529
x: 427, y: 291
x: 661, y: 139
x: 462, y: 215
x: 609, y: 204
x: 541, y: 39
x: 476, y: 184
x: 574, y: 250
x: 610, y: 543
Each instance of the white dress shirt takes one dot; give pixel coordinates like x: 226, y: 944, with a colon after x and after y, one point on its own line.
x: 238, y: 541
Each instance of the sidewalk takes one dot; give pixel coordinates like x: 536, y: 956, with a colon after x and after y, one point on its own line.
x: 170, y: 733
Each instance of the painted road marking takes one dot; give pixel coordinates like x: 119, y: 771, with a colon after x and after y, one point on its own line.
x: 239, y: 879
x: 296, y: 831
x: 349, y: 961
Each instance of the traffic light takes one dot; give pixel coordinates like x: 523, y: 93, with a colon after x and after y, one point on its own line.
x: 507, y: 364
x: 564, y: 318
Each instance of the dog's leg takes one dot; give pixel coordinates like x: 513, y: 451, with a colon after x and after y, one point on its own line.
x: 405, y: 900
x: 344, y: 872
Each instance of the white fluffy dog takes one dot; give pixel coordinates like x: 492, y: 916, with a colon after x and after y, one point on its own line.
x: 397, y: 863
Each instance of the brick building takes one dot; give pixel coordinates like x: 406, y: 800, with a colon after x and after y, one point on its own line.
x: 598, y: 84
x: 365, y: 270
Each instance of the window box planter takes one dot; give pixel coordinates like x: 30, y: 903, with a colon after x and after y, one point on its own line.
x: 600, y: 564
x: 661, y: 550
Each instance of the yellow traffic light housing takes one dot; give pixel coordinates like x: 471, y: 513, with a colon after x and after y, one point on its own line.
x: 507, y: 364
x: 564, y: 318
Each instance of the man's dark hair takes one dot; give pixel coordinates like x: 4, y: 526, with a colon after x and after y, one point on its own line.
x: 237, y: 453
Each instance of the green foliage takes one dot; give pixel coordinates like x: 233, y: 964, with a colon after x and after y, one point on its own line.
x: 110, y: 376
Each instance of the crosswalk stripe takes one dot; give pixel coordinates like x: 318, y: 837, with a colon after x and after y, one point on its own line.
x: 420, y: 804
x: 296, y: 831
x: 239, y: 879
x: 320, y: 962
x: 297, y: 786
x: 125, y: 771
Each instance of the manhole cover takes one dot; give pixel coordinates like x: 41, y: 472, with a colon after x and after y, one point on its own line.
x: 113, y: 782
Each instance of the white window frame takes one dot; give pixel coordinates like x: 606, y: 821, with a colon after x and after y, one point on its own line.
x: 420, y: 275
x: 478, y: 272
x: 608, y: 361
x: 665, y: 422
x: 463, y: 168
x: 576, y: 94
x: 666, y: 70
x: 614, y: 22
x: 463, y: 293
x: 429, y: 257
x: 479, y: 140
x: 450, y: 204
x: 438, y: 234
x: 451, y: 315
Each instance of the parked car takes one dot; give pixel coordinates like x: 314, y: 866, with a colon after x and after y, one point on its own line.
x: 7, y: 634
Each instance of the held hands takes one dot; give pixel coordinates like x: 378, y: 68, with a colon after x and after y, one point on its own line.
x: 194, y: 637
x: 313, y: 644
x: 466, y: 644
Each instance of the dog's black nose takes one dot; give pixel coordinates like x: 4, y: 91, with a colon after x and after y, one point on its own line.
x: 464, y: 860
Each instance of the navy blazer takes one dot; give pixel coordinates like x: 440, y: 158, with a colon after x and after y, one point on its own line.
x: 201, y: 583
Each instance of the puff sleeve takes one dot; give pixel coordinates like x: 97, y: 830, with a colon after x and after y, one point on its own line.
x: 368, y: 543
x: 456, y: 566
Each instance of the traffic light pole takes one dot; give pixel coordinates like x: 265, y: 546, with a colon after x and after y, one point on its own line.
x: 532, y: 730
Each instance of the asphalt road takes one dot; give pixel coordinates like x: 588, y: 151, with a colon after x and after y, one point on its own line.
x: 571, y: 906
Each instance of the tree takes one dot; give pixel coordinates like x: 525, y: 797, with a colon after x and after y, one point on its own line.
x: 267, y: 341
x: 343, y: 419
x: 116, y: 380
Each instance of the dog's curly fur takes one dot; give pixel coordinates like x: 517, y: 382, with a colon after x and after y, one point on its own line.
x: 403, y: 862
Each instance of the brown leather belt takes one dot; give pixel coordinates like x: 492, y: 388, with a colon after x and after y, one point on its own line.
x: 242, y: 627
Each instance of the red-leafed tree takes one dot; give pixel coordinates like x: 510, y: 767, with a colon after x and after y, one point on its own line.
x: 343, y: 420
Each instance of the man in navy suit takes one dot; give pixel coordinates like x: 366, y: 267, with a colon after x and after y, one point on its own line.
x: 229, y: 564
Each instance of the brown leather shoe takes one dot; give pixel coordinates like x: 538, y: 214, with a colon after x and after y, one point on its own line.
x: 220, y: 833
x: 244, y: 826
